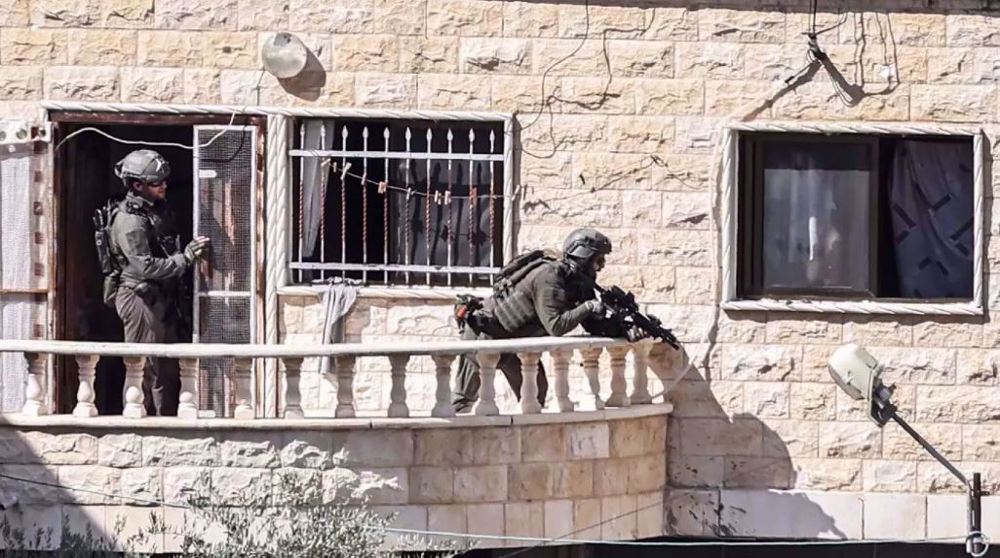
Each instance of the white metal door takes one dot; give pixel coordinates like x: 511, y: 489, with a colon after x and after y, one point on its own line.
x: 225, y: 172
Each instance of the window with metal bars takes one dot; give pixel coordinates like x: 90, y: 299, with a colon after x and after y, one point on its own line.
x: 398, y: 202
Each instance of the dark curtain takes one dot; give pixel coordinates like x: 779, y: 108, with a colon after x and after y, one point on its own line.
x: 931, y: 203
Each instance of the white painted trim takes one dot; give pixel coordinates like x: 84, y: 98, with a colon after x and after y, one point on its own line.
x: 255, y: 350
x: 401, y: 293
x: 276, y: 241
x: 362, y: 423
x: 730, y: 224
x: 855, y: 307
x: 172, y: 108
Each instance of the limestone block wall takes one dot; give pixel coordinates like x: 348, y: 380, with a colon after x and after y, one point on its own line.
x: 538, y: 477
x: 619, y: 125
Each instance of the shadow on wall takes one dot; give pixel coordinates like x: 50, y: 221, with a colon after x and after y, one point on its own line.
x: 728, y: 472
x: 33, y: 514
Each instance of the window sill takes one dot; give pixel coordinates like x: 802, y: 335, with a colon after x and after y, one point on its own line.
x: 857, y: 307
x: 404, y: 293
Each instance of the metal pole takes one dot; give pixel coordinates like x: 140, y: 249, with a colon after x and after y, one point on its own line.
x: 974, y: 542
x: 930, y: 449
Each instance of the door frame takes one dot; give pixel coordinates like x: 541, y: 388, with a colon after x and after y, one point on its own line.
x: 65, y: 379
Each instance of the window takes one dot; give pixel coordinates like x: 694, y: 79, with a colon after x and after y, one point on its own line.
x: 403, y: 202
x: 854, y: 217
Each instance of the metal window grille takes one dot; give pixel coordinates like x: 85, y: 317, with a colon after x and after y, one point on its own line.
x: 400, y: 202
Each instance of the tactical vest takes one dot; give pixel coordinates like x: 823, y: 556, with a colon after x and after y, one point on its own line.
x: 515, y: 308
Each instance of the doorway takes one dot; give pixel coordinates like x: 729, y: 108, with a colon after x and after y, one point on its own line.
x: 84, y: 181
x: 87, y: 181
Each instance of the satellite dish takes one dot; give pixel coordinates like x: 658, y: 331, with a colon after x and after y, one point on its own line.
x: 284, y: 55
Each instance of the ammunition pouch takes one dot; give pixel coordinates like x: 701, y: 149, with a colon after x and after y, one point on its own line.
x: 112, y: 282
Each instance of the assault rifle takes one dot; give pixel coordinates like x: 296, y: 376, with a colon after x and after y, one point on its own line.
x: 623, y: 306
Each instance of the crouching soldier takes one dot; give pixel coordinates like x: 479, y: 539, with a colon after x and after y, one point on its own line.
x: 150, y: 265
x: 537, y: 296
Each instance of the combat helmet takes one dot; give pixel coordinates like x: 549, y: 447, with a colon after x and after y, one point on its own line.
x: 584, y: 244
x: 144, y: 165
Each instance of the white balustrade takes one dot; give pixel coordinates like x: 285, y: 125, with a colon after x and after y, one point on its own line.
x: 134, y: 398
x: 242, y: 378
x: 34, y: 391
x: 618, y: 397
x: 487, y: 404
x: 346, y: 359
x: 592, y: 369
x: 187, y: 403
x: 529, y: 383
x: 640, y: 379
x: 344, y: 365
x: 293, y: 395
x: 87, y: 371
x: 442, y: 393
x: 560, y: 369
x: 397, y: 395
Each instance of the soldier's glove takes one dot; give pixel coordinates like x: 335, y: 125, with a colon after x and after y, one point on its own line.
x: 195, y: 250
x: 596, y: 307
x: 635, y: 333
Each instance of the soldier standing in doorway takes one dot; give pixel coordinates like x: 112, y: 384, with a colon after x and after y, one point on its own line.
x: 538, y: 296
x: 149, y: 265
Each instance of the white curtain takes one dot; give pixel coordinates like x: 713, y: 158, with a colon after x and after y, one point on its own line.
x: 15, y: 268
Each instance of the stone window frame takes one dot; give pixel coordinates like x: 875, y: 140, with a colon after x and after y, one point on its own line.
x: 731, y: 300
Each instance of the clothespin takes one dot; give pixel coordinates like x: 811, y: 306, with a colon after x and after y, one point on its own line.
x: 382, y: 186
x: 343, y: 173
x: 409, y: 193
x: 364, y: 179
x: 473, y: 195
x: 437, y: 197
x: 447, y: 197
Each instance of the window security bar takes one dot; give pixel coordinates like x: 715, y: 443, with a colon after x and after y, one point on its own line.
x: 412, y: 201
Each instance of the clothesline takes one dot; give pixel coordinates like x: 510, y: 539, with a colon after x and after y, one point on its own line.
x: 440, y: 197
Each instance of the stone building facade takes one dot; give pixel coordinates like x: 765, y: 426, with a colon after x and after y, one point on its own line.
x: 621, y: 109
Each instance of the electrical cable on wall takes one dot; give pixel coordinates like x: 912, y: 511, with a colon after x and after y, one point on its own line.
x: 232, y: 118
x: 543, y: 541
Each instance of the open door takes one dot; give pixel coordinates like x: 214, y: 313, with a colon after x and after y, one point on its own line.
x: 225, y: 283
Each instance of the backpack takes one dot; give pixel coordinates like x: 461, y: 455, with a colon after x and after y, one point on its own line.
x: 103, y: 217
x: 519, y: 268
x: 508, y: 276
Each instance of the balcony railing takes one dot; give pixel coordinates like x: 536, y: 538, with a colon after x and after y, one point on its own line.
x: 345, y: 358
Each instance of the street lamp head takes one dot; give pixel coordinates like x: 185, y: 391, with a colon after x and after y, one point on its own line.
x: 859, y: 374
x: 855, y: 370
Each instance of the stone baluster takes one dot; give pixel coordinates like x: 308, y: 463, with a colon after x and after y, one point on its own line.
x: 618, y: 397
x: 134, y: 398
x: 487, y: 404
x: 397, y: 394
x: 187, y: 405
x: 87, y: 367
x: 34, y: 392
x: 442, y: 395
x: 640, y: 365
x: 293, y: 395
x: 243, y: 377
x: 560, y: 369
x: 344, y: 365
x: 591, y: 368
x: 529, y: 383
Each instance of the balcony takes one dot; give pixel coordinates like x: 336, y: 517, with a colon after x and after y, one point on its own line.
x: 568, y: 470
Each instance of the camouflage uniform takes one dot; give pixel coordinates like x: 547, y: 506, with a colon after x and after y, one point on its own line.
x: 550, y: 300
x: 152, y: 265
